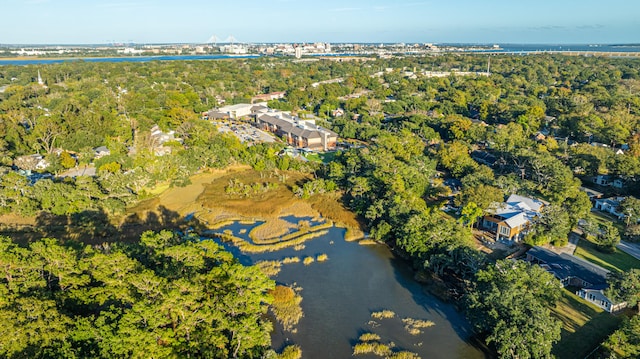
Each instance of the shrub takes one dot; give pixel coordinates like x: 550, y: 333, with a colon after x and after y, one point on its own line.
x: 383, y: 314
x: 368, y: 337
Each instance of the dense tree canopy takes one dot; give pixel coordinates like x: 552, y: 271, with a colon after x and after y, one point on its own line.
x: 165, y: 297
x: 511, y: 305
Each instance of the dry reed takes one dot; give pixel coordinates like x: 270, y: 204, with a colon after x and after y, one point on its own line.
x: 383, y: 314
x: 286, y: 306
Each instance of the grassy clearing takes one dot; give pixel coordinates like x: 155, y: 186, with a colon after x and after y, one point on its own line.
x: 328, y: 156
x: 617, y: 262
x: 584, y: 326
x: 383, y: 314
x: 414, y: 326
x: 286, y: 306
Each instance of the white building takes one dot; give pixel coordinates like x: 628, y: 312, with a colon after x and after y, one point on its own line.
x: 610, y: 205
x: 236, y: 111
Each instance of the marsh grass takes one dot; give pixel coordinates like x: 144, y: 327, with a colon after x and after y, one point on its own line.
x: 330, y: 206
x: 404, y: 355
x: 369, y: 337
x: 300, y: 209
x: 272, y: 228
x: 227, y: 221
x: 383, y: 314
x: 322, y: 257
x: 352, y: 234
x: 291, y: 352
x: 299, y: 247
x: 270, y: 268
x: 414, y: 326
x: 289, y: 260
x: 367, y: 242
x: 268, y: 204
x: 308, y: 260
x: 290, y: 236
x: 286, y: 306
x: 257, y: 248
x: 374, y: 347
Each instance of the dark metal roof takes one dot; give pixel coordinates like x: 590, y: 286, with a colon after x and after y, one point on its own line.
x: 565, y: 266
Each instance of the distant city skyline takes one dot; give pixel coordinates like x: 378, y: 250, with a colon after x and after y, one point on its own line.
x: 252, y: 21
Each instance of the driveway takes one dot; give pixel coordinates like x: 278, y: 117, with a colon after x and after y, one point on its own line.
x: 79, y: 171
x: 630, y: 248
x: 570, y: 248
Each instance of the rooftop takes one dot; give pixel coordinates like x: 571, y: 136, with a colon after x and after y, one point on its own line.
x: 565, y: 265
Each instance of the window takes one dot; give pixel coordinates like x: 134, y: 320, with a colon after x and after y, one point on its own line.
x: 504, y: 230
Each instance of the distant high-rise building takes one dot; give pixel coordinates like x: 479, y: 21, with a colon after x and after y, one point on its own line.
x: 298, y: 52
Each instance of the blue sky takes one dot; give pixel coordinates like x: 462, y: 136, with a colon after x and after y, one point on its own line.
x: 469, y: 21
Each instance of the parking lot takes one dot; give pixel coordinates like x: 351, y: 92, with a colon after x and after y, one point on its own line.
x: 245, y: 132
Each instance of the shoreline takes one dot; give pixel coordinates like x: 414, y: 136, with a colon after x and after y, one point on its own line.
x: 112, y: 58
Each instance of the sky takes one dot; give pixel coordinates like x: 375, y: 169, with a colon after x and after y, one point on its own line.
x: 257, y: 21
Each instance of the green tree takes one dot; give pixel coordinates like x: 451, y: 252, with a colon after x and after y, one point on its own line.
x: 510, y: 303
x: 165, y: 297
x: 66, y: 160
x: 625, y: 342
x: 608, y: 237
x: 470, y: 213
x: 625, y: 287
x: 630, y: 207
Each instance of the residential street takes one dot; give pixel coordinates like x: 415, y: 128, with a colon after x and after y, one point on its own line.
x: 630, y: 248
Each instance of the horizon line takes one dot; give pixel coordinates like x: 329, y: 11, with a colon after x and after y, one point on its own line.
x: 115, y: 43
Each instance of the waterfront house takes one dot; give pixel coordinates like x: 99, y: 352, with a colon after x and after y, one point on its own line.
x: 511, y: 220
x: 590, y: 279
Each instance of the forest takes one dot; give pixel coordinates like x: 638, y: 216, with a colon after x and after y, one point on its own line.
x: 551, y: 123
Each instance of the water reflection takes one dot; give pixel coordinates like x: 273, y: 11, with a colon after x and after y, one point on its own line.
x: 341, y: 293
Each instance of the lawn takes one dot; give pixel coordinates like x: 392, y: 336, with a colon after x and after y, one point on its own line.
x: 584, y: 326
x: 601, y: 218
x: 324, y: 157
x: 618, y: 261
x: 328, y: 156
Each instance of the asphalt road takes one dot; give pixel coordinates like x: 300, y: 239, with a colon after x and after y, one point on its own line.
x: 630, y: 248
